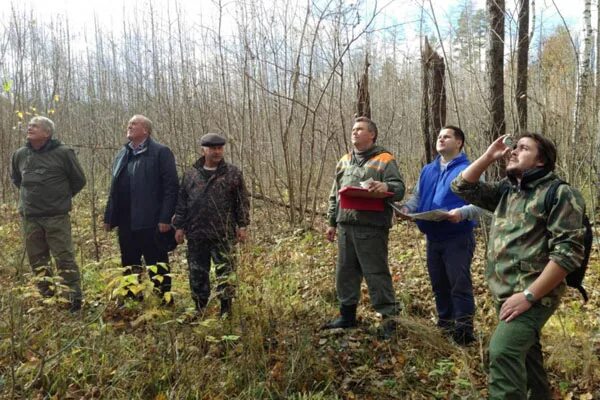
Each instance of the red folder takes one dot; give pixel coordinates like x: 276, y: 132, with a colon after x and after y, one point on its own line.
x: 357, y: 198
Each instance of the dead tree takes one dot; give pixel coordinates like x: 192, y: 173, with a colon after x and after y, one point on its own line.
x: 433, y: 99
x: 363, y: 104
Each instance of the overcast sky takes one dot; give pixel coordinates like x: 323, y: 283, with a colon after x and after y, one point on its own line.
x: 406, y: 13
x: 111, y: 11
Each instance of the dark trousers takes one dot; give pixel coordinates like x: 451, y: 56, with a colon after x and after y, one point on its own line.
x: 201, y: 255
x: 449, y: 266
x: 142, y: 243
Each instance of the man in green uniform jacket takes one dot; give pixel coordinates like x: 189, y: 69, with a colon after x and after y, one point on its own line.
x: 530, y: 252
x: 48, y: 175
x: 363, y: 235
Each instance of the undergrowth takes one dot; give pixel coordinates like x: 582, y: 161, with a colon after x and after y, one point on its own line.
x: 271, y: 348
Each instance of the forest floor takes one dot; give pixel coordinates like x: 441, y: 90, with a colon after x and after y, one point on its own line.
x: 271, y: 348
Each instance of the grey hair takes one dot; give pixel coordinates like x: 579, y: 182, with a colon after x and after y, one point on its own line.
x: 145, y: 120
x: 46, y: 124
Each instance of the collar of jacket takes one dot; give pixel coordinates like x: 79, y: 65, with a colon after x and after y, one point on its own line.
x: 366, y: 155
x: 531, y: 178
x: 199, y: 164
x: 144, y: 146
x: 49, y: 145
x: 459, y: 159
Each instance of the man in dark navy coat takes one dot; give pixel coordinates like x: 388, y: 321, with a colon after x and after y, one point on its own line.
x: 142, y: 200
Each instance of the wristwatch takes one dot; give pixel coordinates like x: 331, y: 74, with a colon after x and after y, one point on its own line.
x: 529, y: 296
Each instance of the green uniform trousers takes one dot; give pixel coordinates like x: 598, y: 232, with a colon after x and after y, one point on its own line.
x: 46, y: 235
x: 363, y: 252
x: 516, y: 360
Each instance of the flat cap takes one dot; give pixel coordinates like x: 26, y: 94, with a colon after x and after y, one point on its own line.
x: 212, y: 139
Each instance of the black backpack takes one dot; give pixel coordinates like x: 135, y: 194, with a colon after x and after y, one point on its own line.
x: 575, y: 278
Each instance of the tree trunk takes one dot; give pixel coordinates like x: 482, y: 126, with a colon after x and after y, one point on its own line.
x: 596, y: 154
x: 522, y: 61
x: 363, y: 105
x: 425, y: 51
x: 495, y: 60
x: 433, y: 104
x: 583, y: 73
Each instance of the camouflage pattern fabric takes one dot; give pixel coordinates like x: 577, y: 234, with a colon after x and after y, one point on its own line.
x: 524, y: 236
x: 211, y: 207
x: 201, y: 255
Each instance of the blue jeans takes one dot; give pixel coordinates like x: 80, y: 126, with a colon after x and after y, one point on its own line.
x: 449, y: 266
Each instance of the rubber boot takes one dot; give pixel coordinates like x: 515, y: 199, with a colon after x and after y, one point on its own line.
x: 347, y: 319
x: 225, y: 308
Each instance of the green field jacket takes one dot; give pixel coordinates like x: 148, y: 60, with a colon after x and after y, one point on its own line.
x: 47, y: 179
x: 377, y: 163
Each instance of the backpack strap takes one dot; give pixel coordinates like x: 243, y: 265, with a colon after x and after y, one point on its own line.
x: 550, y: 198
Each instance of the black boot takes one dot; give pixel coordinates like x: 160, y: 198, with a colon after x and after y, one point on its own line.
x: 75, y: 306
x: 225, y: 308
x: 463, y: 332
x: 200, y: 305
x: 388, y: 328
x: 347, y: 318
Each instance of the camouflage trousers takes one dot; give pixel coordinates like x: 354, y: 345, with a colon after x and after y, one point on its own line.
x: 201, y: 255
x: 52, y: 235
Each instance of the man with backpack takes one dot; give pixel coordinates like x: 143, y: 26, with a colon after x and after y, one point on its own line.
x: 531, y: 250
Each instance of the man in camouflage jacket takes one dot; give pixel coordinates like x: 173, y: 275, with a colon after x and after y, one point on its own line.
x: 213, y: 212
x: 363, y: 235
x: 530, y: 252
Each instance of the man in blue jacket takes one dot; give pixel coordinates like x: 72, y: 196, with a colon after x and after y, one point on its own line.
x: 142, y: 200
x: 450, y: 242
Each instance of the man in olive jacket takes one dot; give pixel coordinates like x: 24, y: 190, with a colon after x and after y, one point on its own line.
x: 48, y: 175
x: 142, y: 201
x: 363, y: 235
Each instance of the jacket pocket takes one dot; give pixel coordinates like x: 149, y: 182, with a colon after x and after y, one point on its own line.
x: 34, y: 177
x: 529, y: 267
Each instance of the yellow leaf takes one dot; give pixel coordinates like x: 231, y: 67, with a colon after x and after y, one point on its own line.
x: 135, y: 289
x: 168, y: 297
x: 51, y: 111
x: 161, y: 396
x: 56, y: 97
x: 20, y: 114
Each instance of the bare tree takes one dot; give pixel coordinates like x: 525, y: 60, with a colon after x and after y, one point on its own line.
x: 522, y: 64
x: 433, y: 106
x: 495, y: 62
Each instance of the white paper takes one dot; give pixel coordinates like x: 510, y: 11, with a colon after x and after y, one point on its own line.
x: 433, y: 215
